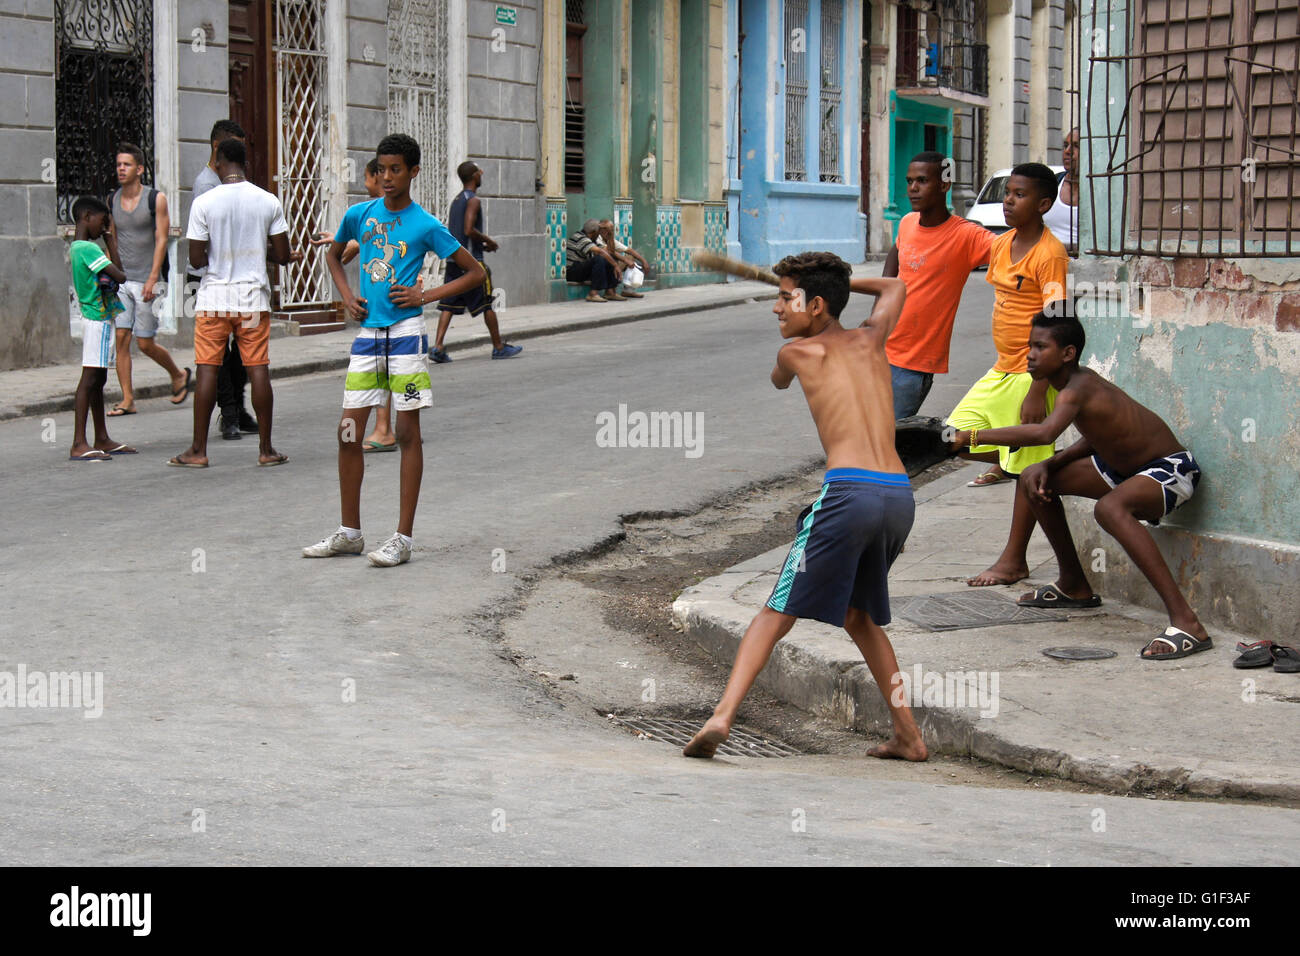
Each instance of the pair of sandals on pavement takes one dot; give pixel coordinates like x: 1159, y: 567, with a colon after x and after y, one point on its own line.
x: 178, y: 398
x: 1285, y: 659
x: 1180, y: 643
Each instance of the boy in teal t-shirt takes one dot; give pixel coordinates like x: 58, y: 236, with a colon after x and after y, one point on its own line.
x: 95, y: 275
x: 389, y: 355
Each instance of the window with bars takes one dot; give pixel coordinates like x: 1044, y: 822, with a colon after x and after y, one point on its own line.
x: 1202, y: 158
x: 575, y: 114
x: 103, y: 94
x: 831, y: 87
x: 796, y: 88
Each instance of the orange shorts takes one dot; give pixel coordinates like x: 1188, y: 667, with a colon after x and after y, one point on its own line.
x: 251, y: 330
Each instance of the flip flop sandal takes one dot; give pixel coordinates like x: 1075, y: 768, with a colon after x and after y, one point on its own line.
x: 180, y: 394
x: 278, y: 460
x: 123, y: 449
x: 988, y: 478
x: 1049, y: 595
x: 93, y: 455
x: 177, y: 463
x: 1285, y: 659
x: 117, y: 411
x: 1257, y: 654
x: 1183, y: 645
x: 373, y: 446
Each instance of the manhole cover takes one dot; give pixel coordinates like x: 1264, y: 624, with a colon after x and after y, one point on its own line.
x: 741, y: 743
x: 1078, y: 653
x: 961, y: 610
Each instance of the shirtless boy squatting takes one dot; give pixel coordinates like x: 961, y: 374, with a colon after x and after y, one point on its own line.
x: 1128, y: 460
x: 848, y: 538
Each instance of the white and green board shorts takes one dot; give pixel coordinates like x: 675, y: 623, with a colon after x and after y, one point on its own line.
x: 386, y: 361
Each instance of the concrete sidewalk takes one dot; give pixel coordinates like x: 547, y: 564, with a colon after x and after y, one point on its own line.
x: 1194, y: 725
x: 42, y: 391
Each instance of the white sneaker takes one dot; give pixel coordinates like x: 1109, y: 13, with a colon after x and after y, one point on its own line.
x: 335, y: 544
x: 393, y: 553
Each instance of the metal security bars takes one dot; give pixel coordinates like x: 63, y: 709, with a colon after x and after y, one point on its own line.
x: 1199, y: 153
x: 831, y: 80
x: 418, y: 94
x: 300, y: 66
x: 103, y: 94
x: 796, y: 88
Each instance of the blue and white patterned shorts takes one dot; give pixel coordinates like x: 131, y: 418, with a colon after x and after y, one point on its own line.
x: 1178, y: 475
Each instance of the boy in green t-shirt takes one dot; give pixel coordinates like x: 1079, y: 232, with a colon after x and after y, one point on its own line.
x: 92, y: 271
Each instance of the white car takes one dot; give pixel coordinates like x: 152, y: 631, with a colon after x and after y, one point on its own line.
x: 987, y: 207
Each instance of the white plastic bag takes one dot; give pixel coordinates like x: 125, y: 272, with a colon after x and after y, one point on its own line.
x: 633, y: 276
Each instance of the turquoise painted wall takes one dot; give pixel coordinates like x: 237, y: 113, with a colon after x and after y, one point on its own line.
x: 906, y: 139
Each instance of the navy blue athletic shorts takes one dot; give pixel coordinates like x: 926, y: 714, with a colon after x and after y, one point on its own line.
x: 476, y: 301
x: 847, y: 540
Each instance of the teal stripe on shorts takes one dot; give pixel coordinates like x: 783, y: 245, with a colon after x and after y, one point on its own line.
x: 792, y: 562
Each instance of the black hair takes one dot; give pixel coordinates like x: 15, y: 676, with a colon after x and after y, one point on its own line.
x: 86, y: 206
x: 224, y: 129
x: 372, y: 167
x: 930, y: 157
x: 1044, y: 179
x: 399, y: 144
x: 466, y: 171
x: 819, y: 274
x: 1061, y: 322
x: 232, y: 151
x: 135, y: 151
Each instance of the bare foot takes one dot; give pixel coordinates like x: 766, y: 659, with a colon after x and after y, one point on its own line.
x: 110, y: 447
x: 999, y: 574
x: 271, y: 457
x: 379, y: 439
x: 896, y: 749
x: 706, y: 742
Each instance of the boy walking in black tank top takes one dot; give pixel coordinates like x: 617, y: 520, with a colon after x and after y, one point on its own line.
x: 465, y: 220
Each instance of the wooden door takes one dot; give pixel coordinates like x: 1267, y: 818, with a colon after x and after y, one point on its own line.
x: 252, y: 102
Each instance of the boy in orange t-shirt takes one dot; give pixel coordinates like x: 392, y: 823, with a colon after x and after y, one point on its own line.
x: 1027, y: 269
x: 933, y: 255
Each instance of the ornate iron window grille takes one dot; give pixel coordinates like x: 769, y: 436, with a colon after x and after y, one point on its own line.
x: 418, y: 94
x: 300, y: 68
x: 103, y: 94
x: 1202, y: 159
x: 831, y: 80
x: 796, y: 88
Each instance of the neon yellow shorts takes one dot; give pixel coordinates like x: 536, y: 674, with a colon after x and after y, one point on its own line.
x: 994, y: 402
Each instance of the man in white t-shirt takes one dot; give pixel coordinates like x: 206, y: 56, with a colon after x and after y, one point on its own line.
x: 229, y: 232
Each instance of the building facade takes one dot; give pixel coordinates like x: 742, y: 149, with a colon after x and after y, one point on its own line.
x: 315, y: 84
x: 990, y: 83
x: 632, y: 119
x: 793, y: 134
x: 1190, y: 227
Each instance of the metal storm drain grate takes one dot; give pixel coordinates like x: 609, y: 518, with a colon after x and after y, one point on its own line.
x: 959, y: 611
x: 741, y: 743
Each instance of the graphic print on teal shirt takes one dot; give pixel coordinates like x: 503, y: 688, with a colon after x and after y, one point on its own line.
x: 393, y: 246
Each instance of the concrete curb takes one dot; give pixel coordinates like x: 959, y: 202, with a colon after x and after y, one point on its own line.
x: 719, y: 296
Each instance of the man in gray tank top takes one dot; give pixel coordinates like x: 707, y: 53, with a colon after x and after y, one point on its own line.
x: 140, y: 223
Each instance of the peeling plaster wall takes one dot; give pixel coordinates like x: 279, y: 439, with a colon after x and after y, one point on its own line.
x: 1213, y: 347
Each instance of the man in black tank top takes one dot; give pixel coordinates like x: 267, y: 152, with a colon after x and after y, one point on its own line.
x: 465, y: 222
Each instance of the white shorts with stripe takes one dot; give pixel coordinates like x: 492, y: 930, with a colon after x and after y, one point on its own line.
x: 391, y: 361
x: 98, y: 343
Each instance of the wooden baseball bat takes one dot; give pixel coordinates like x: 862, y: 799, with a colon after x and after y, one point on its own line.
x: 744, y: 270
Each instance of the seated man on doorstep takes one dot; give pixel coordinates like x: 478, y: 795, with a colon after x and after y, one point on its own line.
x: 633, y: 263
x: 1128, y: 460
x: 587, y: 262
